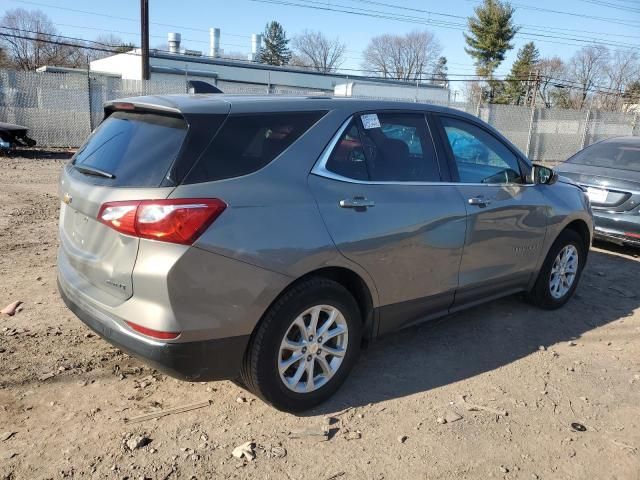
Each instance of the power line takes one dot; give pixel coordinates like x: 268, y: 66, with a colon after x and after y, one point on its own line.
x: 388, y: 15
x: 618, y: 21
x: 561, y: 83
x: 532, y: 27
x: 133, y: 52
x: 102, y: 43
x: 84, y: 46
x: 613, y: 5
x: 111, y: 49
x: 44, y: 40
x: 378, y: 14
x: 451, y: 24
x: 58, y: 36
x: 137, y: 33
x: 538, y: 27
x: 115, y: 17
x: 358, y: 55
x: 437, y: 23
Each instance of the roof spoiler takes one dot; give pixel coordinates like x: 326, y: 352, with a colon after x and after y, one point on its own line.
x: 136, y: 105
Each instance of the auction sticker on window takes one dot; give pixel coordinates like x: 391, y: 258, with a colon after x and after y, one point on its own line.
x: 370, y: 120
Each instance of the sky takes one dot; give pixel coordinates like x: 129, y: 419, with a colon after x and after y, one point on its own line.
x: 617, y: 23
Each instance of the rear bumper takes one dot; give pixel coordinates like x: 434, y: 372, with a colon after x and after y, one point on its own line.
x: 217, y: 359
x: 615, y: 227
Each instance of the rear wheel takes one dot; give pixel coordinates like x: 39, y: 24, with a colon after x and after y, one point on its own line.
x: 560, y: 272
x: 305, y: 346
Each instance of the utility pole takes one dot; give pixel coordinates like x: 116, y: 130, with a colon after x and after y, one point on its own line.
x: 585, y: 131
x: 144, y: 33
x: 536, y: 86
x: 526, y: 96
x: 533, y: 112
x: 89, y: 95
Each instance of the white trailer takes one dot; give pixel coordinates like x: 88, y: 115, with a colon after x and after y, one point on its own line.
x: 422, y: 92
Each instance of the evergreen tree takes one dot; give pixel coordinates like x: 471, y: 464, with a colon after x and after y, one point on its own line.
x: 440, y: 71
x: 521, y: 79
x: 491, y: 30
x: 275, y: 49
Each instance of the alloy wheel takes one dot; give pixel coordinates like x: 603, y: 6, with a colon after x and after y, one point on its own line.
x: 563, y: 271
x: 313, y: 348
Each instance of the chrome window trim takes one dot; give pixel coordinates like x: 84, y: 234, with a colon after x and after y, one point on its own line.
x: 320, y: 168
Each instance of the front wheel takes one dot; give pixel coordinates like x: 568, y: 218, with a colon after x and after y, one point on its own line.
x: 305, y: 346
x: 560, y: 272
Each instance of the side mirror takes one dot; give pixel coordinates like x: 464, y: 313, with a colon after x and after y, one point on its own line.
x: 541, y: 175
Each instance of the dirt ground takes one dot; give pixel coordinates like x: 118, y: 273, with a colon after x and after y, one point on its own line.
x: 65, y: 393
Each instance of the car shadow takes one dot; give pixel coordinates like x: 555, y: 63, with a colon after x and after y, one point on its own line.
x: 615, y: 248
x: 487, y: 337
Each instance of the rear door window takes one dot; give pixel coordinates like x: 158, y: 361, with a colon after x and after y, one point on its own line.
x: 137, y: 149
x: 246, y: 143
x: 399, y: 148
x: 386, y: 147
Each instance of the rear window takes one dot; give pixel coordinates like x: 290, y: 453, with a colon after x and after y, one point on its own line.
x: 136, y: 148
x: 246, y: 143
x: 617, y: 155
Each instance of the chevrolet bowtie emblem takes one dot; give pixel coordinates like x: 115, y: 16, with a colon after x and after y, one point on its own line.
x: 66, y: 198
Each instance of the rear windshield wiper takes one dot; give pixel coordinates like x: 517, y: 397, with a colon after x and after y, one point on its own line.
x: 93, y: 171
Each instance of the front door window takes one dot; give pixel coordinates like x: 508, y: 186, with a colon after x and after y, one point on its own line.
x: 479, y: 156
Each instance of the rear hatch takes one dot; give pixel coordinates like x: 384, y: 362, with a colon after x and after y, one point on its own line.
x: 137, y: 153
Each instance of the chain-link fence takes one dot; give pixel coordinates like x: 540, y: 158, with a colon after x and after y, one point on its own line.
x: 61, y: 109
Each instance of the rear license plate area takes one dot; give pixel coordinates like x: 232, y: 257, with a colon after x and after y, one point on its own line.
x: 597, y: 195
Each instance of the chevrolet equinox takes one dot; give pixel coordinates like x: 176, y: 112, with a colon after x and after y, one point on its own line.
x: 263, y: 239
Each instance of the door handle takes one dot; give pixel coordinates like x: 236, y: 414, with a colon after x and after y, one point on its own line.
x: 357, y: 202
x: 480, y: 201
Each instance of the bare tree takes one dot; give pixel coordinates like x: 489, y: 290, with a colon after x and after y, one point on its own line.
x: 30, y: 40
x: 622, y: 69
x: 316, y: 51
x: 404, y: 57
x: 587, y: 68
x: 472, y: 92
x: 551, y: 72
x: 99, y: 48
x: 25, y: 54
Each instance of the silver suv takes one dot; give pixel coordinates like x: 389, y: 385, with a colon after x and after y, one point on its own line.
x: 263, y: 239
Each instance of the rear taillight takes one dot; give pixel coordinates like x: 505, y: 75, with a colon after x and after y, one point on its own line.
x: 179, y: 220
x: 149, y: 332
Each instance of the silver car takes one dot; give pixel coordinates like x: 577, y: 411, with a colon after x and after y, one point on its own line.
x: 609, y: 171
x: 264, y: 239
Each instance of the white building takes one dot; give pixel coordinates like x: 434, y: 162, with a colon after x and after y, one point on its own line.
x: 237, y: 76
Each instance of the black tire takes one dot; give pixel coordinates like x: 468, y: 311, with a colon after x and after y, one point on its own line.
x: 259, y: 370
x: 540, y: 295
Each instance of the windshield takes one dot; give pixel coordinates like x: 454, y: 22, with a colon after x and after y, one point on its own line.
x: 131, y: 149
x: 618, y: 155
